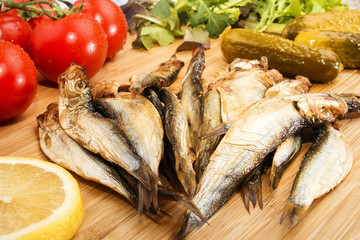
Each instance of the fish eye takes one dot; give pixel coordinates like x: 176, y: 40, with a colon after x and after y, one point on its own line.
x: 324, y: 112
x: 81, y: 85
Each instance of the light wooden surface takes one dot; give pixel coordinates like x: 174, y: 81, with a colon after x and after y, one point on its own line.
x: 109, y: 216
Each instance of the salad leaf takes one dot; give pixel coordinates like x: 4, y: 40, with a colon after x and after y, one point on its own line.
x: 153, y: 32
x: 161, y: 19
x: 193, y: 38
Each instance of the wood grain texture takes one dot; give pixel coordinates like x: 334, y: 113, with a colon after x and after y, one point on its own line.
x: 108, y: 215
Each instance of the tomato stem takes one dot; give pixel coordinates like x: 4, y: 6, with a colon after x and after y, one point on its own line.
x: 30, y: 7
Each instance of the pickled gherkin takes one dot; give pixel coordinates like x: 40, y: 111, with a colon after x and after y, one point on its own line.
x: 289, y: 57
x: 337, y: 20
x: 345, y: 44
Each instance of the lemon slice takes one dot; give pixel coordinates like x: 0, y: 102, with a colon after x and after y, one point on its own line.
x: 38, y: 200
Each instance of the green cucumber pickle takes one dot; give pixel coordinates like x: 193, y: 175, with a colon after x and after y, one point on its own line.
x: 337, y: 20
x: 345, y: 44
x: 289, y: 57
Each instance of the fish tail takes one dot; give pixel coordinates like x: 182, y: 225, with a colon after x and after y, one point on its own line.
x: 253, y: 191
x: 275, y: 176
x: 144, y: 202
x: 293, y: 211
x: 189, y: 224
x: 183, y: 199
x: 148, y: 195
x: 188, y: 179
x: 154, y: 198
x: 187, y: 176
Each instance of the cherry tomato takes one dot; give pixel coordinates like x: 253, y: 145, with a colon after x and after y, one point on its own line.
x: 112, y: 20
x: 18, y: 80
x: 35, y: 21
x: 78, y: 38
x: 15, y: 29
x: 14, y: 11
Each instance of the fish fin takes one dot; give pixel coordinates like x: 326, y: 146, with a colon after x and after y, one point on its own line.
x: 154, y: 198
x: 189, y: 225
x: 167, y: 169
x: 141, y: 198
x: 246, y: 199
x: 216, y: 131
x: 185, y: 172
x: 253, y: 190
x: 183, y: 199
x: 148, y: 188
x: 188, y: 180
x: 293, y: 211
x: 275, y: 176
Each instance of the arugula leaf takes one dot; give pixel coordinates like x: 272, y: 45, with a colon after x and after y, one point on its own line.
x: 215, y: 22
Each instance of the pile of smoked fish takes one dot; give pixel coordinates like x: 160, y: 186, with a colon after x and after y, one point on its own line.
x: 202, y: 144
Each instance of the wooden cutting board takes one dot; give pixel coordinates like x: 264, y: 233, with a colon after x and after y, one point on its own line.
x: 109, y: 216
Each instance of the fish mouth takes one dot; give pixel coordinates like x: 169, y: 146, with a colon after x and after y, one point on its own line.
x: 74, y: 71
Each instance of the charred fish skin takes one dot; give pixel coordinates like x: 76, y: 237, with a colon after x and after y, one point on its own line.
x: 77, y: 116
x: 64, y: 151
x: 258, y: 131
x: 163, y: 76
x: 192, y: 93
x: 323, y: 167
x: 212, y: 118
x: 177, y: 131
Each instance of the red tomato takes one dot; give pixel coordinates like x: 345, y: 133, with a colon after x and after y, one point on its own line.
x: 78, y: 38
x: 35, y: 21
x: 18, y: 80
x: 14, y: 11
x: 15, y: 29
x: 112, y: 20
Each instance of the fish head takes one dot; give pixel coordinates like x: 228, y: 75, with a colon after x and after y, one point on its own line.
x: 352, y: 101
x: 74, y: 87
x: 321, y: 109
x: 49, y: 120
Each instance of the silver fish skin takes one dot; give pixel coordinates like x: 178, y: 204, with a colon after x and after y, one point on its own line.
x: 192, y: 93
x: 212, y: 118
x: 163, y: 76
x: 289, y: 149
x: 257, y: 132
x: 284, y: 154
x: 323, y: 167
x: 140, y: 122
x: 177, y: 131
x: 77, y: 116
x: 64, y: 151
x: 243, y: 83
